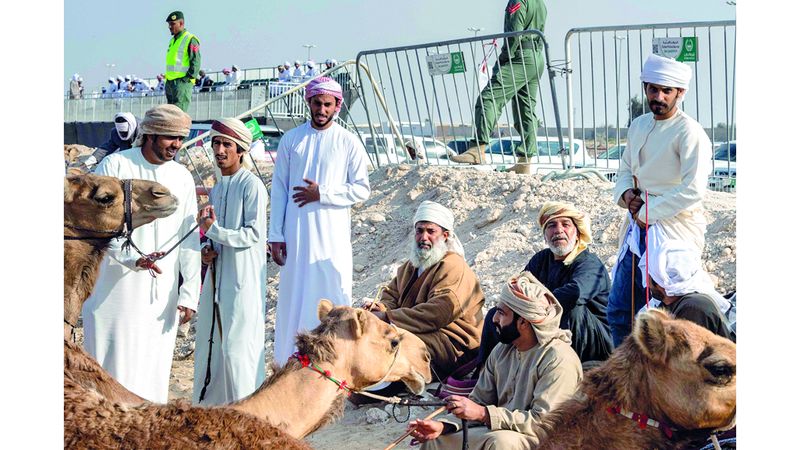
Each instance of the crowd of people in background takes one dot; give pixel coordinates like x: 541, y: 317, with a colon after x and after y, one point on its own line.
x: 133, y: 86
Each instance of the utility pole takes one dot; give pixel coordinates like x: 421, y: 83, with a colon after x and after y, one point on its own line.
x: 109, y: 66
x: 309, y: 47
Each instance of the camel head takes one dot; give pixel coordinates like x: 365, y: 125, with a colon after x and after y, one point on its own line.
x: 372, y: 349
x: 690, y: 372
x: 96, y: 202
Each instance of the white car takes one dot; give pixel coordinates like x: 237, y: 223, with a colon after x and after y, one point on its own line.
x: 723, y: 174
x: 608, y: 161
x: 501, y: 151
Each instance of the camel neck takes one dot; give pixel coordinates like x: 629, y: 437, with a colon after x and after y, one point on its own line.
x: 311, y: 394
x: 81, y: 267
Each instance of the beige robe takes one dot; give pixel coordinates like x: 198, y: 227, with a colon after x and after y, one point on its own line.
x: 443, y: 307
x: 671, y: 159
x: 518, y: 389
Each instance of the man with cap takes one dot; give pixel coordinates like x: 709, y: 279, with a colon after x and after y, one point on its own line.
x: 183, y: 62
x: 661, y: 179
x: 678, y: 281
x: 204, y: 83
x: 312, y: 70
x: 121, y: 137
x: 320, y: 171
x: 297, y: 74
x: 577, y: 278
x: 132, y: 316
x: 283, y: 73
x: 230, y: 324
x: 516, y: 78
x: 112, y: 86
x: 435, y: 294
x: 526, y: 376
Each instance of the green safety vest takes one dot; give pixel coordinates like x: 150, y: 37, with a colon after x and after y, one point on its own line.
x: 178, y: 56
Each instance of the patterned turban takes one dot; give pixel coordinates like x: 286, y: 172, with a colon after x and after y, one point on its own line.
x: 233, y: 129
x: 666, y: 72
x: 555, y: 210
x: 325, y: 85
x: 164, y: 120
x: 429, y: 211
x: 529, y: 298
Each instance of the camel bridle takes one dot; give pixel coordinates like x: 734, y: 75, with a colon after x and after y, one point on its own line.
x: 126, y: 230
x: 127, y: 225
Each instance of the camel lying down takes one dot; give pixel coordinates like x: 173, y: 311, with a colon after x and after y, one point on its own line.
x: 670, y: 371
x: 352, y: 345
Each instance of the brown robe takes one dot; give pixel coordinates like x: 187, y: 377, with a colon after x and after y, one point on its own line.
x: 442, y: 307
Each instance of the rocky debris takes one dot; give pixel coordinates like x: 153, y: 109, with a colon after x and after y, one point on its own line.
x: 376, y: 415
x: 376, y: 218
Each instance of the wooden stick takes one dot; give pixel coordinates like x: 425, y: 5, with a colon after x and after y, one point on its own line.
x: 408, y: 433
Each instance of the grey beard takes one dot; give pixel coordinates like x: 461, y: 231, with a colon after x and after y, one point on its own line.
x: 423, y: 259
x: 563, y: 251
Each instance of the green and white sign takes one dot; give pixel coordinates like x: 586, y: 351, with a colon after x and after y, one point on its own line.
x: 446, y: 63
x: 254, y: 128
x: 682, y: 49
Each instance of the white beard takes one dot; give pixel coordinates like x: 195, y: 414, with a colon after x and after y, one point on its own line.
x: 422, y: 258
x: 564, y: 250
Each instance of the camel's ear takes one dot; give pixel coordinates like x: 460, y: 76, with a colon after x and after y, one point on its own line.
x: 650, y: 334
x: 325, y: 306
x: 359, y: 322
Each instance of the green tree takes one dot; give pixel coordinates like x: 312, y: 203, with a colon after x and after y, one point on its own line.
x: 635, y: 108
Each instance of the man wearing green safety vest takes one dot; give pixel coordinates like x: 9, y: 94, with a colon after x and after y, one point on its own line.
x: 183, y: 62
x: 515, y: 77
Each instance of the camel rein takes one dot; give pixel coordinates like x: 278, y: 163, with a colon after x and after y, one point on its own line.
x: 126, y: 230
x: 305, y: 361
x: 644, y: 421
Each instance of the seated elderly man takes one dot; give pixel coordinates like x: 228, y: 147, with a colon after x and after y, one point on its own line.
x: 435, y: 294
x: 577, y: 278
x: 527, y: 375
x: 678, y: 281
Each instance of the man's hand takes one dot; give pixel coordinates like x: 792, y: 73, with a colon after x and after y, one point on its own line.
x: 372, y: 306
x: 278, y: 250
x: 148, y: 262
x: 306, y: 195
x: 633, y: 200
x: 425, y: 430
x: 208, y: 255
x: 464, y: 408
x: 186, y: 314
x: 380, y: 315
x: 206, y: 217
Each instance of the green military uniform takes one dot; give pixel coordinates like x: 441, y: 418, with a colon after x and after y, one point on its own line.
x: 177, y: 87
x: 515, y: 76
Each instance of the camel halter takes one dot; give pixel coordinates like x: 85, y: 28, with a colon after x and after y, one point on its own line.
x: 644, y: 421
x: 305, y: 361
x: 126, y: 230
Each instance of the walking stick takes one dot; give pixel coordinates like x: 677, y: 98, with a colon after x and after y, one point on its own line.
x: 215, y: 320
x: 408, y: 433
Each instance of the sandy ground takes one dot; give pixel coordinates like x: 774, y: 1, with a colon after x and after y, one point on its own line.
x: 495, y: 219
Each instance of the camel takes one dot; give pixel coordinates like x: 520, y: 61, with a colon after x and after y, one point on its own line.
x: 350, y: 344
x: 94, y: 202
x: 671, y: 370
x: 74, y: 152
x: 93, y: 209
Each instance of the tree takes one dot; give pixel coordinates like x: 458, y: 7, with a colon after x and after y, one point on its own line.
x: 635, y: 108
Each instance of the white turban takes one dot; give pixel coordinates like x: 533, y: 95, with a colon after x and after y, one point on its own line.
x: 430, y: 211
x: 528, y: 297
x: 677, y: 268
x: 126, y: 128
x: 666, y: 72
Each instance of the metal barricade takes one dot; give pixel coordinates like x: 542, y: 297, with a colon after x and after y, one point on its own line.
x: 427, y: 94
x: 604, y: 92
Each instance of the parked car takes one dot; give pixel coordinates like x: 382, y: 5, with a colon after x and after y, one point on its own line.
x: 265, y: 148
x: 547, y: 154
x: 723, y: 174
x: 608, y: 161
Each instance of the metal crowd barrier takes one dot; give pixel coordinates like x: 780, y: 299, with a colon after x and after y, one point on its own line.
x: 428, y: 92
x: 603, y: 65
